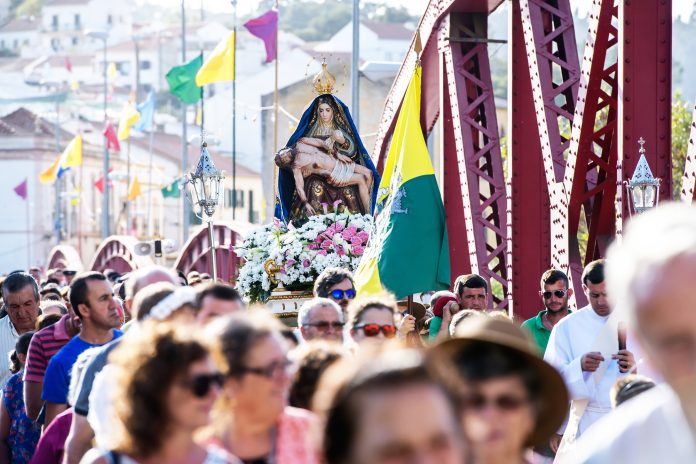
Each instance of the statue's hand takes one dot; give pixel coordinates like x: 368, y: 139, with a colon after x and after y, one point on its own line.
x: 344, y: 158
x: 309, y: 210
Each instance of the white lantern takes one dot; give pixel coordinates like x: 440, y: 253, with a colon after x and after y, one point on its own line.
x: 643, y: 188
x: 205, y: 183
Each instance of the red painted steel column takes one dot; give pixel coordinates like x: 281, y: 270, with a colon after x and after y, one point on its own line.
x: 476, y: 150
x: 645, y: 73
x: 531, y: 237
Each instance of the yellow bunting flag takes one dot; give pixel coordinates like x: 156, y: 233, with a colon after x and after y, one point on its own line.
x: 129, y: 116
x: 220, y: 64
x: 111, y: 70
x: 134, y: 189
x: 71, y: 156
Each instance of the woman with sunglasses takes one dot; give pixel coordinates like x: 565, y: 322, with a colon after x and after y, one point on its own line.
x: 166, y: 385
x: 252, y: 419
x: 373, y: 319
x: 511, y: 399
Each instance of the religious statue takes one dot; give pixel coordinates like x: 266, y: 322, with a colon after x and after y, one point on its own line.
x: 324, y: 161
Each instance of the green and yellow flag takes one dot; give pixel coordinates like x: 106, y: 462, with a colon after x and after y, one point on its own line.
x: 408, y: 250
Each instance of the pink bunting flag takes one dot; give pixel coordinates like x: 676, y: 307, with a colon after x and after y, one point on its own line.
x: 265, y: 27
x: 21, y: 190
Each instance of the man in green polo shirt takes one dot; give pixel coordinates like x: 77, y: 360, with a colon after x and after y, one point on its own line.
x: 554, y: 293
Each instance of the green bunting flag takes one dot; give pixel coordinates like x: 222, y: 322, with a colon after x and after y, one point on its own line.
x: 171, y: 190
x: 182, y: 81
x: 410, y: 233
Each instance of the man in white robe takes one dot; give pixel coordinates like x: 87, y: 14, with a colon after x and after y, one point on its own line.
x: 651, y: 277
x: 585, y: 350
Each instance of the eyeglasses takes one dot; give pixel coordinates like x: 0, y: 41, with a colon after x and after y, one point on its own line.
x: 506, y: 402
x: 323, y: 326
x: 338, y: 294
x: 269, y: 371
x: 200, y: 384
x: 557, y: 293
x: 372, y: 330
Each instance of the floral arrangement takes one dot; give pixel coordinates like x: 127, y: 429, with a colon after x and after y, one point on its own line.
x: 300, y: 254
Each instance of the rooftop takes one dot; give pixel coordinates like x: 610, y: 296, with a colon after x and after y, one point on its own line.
x: 21, y: 24
x: 393, y: 31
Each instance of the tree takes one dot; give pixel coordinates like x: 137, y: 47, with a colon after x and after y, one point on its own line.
x: 681, y: 126
x: 27, y: 7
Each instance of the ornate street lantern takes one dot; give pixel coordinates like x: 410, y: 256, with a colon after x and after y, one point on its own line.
x: 643, y: 188
x: 204, y: 182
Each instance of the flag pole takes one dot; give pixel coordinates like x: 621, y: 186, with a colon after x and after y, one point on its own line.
x: 234, y: 114
x: 150, y: 224
x: 26, y: 208
x: 79, y: 212
x: 128, y: 184
x: 275, y: 91
x: 184, y: 138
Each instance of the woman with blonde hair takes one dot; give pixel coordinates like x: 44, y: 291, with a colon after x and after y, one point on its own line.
x: 166, y: 385
x: 253, y: 420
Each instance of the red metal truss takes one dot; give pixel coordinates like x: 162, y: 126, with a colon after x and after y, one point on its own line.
x: 591, y: 180
x: 470, y: 103
x: 529, y: 193
x: 645, y: 77
x: 554, y: 73
x: 196, y: 253
x: 118, y: 253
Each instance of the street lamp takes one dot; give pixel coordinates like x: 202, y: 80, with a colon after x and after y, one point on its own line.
x: 205, y: 184
x: 103, y: 36
x: 643, y: 188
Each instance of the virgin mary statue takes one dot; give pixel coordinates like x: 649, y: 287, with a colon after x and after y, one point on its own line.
x: 325, y: 161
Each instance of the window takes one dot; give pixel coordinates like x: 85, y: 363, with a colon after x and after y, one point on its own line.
x: 2, y: 43
x: 145, y: 64
x: 54, y: 22
x: 253, y: 215
x: 15, y: 44
x: 229, y: 200
x: 75, y: 41
x: 109, y: 20
x: 78, y: 26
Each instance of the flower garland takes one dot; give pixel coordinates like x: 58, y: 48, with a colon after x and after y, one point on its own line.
x: 328, y: 240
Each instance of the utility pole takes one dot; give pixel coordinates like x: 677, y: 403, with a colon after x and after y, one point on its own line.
x: 184, y: 137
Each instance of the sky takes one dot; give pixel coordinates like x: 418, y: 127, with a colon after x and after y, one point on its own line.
x: 680, y: 8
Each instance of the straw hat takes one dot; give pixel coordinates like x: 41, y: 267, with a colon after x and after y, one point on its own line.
x: 553, y: 405
x: 417, y: 310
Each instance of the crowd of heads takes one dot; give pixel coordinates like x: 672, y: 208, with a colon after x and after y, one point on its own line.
x: 159, y: 363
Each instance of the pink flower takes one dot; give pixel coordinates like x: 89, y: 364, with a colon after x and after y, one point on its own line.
x: 322, y: 252
x: 290, y: 263
x: 358, y: 250
x: 336, y: 203
x: 306, y: 263
x: 338, y: 226
x: 363, y: 235
x: 325, y: 207
x: 349, y: 232
x: 313, y: 246
x: 326, y: 244
x: 340, y: 251
x: 329, y: 233
x: 356, y: 240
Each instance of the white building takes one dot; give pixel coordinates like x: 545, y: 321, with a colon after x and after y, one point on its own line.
x: 21, y: 36
x: 64, y: 23
x: 378, y: 41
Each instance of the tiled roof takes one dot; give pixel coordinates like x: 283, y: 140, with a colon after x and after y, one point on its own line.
x: 20, y: 25
x: 66, y: 2
x: 24, y: 122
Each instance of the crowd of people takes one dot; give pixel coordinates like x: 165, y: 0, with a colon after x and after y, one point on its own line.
x: 157, y: 367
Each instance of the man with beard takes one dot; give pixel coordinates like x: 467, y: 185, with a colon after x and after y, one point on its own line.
x: 554, y: 293
x: 92, y: 299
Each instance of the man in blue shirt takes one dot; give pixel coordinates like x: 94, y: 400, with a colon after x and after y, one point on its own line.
x: 92, y: 300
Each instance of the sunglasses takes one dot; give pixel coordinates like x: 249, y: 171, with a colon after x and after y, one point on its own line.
x: 200, y: 384
x: 323, y: 326
x: 503, y: 402
x: 269, y: 371
x: 372, y: 330
x: 557, y: 293
x: 338, y: 294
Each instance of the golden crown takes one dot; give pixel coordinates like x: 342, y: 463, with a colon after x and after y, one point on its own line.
x: 324, y: 81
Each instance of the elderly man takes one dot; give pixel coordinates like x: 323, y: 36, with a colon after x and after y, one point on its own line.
x: 651, y: 278
x: 584, y: 348
x: 321, y: 319
x: 20, y: 293
x: 337, y: 284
